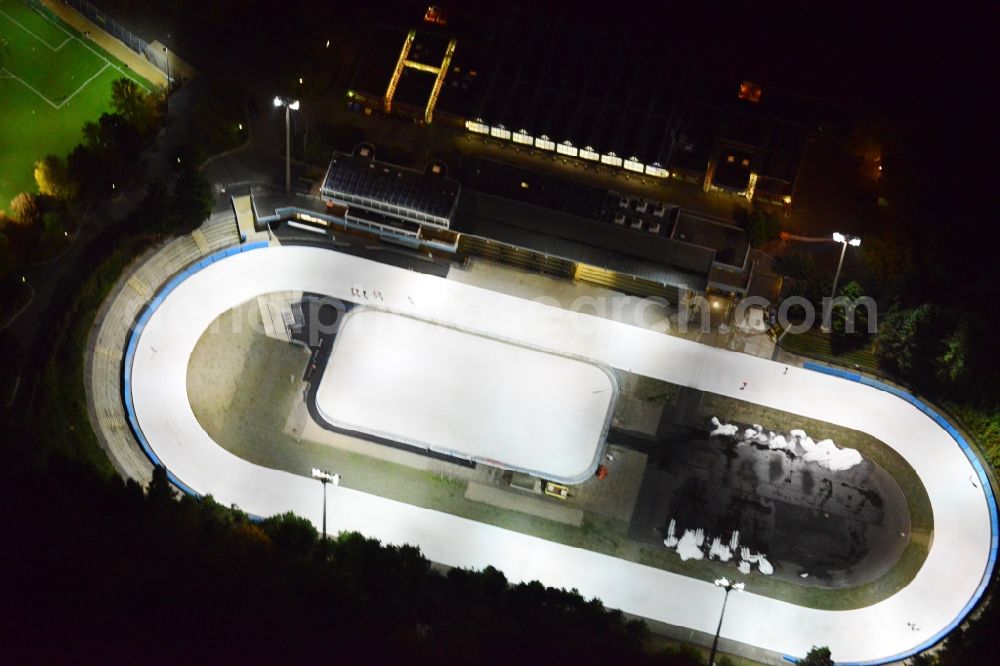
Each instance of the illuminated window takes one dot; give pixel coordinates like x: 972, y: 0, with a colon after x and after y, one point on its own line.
x: 745, y: 162
x: 730, y: 159
x: 611, y: 159
x: 500, y: 132
x: 655, y: 169
x: 567, y: 148
x: 633, y: 164
x: 545, y: 143
x: 477, y: 126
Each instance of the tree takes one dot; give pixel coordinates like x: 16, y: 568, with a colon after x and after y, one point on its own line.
x: 798, y: 266
x: 159, y: 489
x: 889, y: 257
x: 818, y: 656
x: 139, y: 108
x: 107, y: 157
x: 842, y: 338
x: 6, y: 257
x: 909, y: 342
x: 762, y: 226
x: 54, y: 222
x: 24, y: 209
x: 114, y: 138
x: 85, y: 165
x: 193, y: 198
x: 952, y: 366
x: 54, y: 179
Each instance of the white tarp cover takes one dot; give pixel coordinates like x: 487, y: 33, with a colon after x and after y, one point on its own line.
x: 467, y: 395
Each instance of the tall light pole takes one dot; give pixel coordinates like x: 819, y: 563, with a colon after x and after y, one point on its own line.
x: 325, y: 477
x: 844, y: 241
x: 728, y: 586
x: 290, y: 105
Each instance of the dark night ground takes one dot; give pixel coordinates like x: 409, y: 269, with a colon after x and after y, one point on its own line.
x: 842, y: 528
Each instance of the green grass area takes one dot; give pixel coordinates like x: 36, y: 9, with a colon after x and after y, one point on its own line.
x: 52, y: 80
x: 816, y: 344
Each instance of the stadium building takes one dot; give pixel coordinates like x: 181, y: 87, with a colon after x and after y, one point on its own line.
x: 564, y: 88
x: 539, y: 222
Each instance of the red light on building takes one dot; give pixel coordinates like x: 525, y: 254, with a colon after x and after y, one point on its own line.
x: 750, y: 91
x: 434, y: 15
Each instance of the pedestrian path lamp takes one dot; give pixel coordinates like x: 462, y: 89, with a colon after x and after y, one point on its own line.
x: 325, y: 477
x: 290, y: 105
x: 728, y: 586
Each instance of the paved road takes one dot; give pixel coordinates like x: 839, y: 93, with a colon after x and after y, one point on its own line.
x: 960, y: 556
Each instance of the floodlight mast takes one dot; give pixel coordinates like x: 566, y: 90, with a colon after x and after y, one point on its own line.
x: 728, y: 586
x: 290, y: 105
x: 844, y: 240
x: 324, y: 477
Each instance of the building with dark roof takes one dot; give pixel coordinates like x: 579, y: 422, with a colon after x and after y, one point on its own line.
x: 582, y: 91
x: 668, y: 248
x: 743, y: 138
x: 542, y: 222
x: 411, y: 196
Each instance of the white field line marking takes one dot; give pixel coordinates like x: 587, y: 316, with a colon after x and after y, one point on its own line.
x: 69, y: 37
x: 49, y: 46
x: 32, y: 89
x: 89, y: 48
x: 83, y: 85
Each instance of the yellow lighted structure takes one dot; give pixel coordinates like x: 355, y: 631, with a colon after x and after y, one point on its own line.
x: 439, y: 72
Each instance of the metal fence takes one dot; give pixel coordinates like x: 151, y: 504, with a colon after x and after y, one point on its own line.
x: 155, y: 56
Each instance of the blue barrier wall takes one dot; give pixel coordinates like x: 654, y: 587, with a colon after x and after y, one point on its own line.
x: 133, y: 341
x: 984, y: 483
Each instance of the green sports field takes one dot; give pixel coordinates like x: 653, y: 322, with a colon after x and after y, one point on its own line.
x: 52, y: 80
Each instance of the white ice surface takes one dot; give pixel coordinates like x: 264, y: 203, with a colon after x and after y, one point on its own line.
x: 467, y: 395
x: 932, y: 600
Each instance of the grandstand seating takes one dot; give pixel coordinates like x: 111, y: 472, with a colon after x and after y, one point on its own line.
x: 381, y: 187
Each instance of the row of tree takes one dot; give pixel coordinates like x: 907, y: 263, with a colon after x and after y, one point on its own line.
x: 94, y: 171
x: 128, y: 574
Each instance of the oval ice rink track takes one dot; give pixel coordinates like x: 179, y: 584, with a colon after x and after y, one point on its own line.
x: 964, y: 538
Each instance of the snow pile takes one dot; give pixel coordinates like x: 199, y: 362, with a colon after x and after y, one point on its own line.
x: 719, y: 551
x: 671, y: 540
x: 724, y: 430
x: 689, y: 547
x: 747, y: 559
x: 825, y: 453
